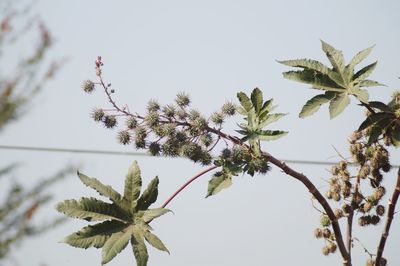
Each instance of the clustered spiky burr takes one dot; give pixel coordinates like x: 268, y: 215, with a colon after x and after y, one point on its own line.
x: 176, y: 130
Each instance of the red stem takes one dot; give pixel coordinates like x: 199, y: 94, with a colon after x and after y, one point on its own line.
x: 187, y: 183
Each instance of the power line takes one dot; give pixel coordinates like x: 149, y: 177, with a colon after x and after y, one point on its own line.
x: 121, y: 153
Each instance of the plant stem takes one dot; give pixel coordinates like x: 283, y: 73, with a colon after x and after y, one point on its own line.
x: 187, y: 183
x: 391, y: 207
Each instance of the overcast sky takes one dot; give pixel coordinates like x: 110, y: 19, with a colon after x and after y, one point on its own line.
x: 210, y: 49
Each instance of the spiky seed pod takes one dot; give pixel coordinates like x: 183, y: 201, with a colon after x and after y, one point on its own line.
x: 238, y: 154
x: 325, y: 251
x: 153, y: 106
x: 346, y: 208
x: 335, y: 170
x: 329, y: 194
x: 325, y: 221
x: 97, y: 115
x: 332, y: 247
x: 140, y: 133
x: 169, y: 111
x: 217, y: 118
x: 386, y: 167
x: 194, y: 114
x: 336, y: 197
x: 171, y: 147
x: 140, y: 144
x: 342, y: 165
x: 357, y: 198
x: 228, y: 109
x: 124, y: 137
x: 109, y: 121
x: 182, y: 99
x: 326, y: 233
x: 379, y: 192
x: 180, y: 136
x: 261, y: 165
x: 364, y: 220
x: 333, y: 181
x: 375, y: 219
x: 356, y: 149
x: 364, y: 171
x: 360, y: 158
x: 380, y: 210
x: 355, y: 136
x: 191, y: 150
x: 370, y: 262
x: 159, y: 131
x: 152, y: 119
x: 335, y: 188
x: 318, y: 232
x: 169, y: 129
x: 154, y: 148
x: 345, y: 175
x: 206, y: 158
x: 181, y: 114
x: 131, y: 122
x: 206, y: 139
x: 226, y: 153
x: 199, y: 124
x: 339, y: 213
x: 88, y: 86
x: 367, y: 206
x: 346, y: 189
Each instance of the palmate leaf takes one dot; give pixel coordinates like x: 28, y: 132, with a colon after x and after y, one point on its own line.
x: 338, y: 104
x: 103, y: 190
x: 126, y: 218
x: 336, y: 58
x: 115, y: 244
x: 133, y: 183
x: 313, y: 78
x: 360, y: 56
x: 218, y: 182
x: 364, y: 72
x: 94, y: 235
x: 361, y: 95
x: 372, y: 119
x: 315, y: 103
x: 91, y: 209
x: 369, y: 83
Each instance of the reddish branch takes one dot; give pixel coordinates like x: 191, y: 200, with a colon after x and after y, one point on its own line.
x: 391, y: 207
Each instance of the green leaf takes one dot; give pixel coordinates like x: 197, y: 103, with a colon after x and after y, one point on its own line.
x: 244, y: 101
x: 315, y: 103
x: 378, y: 128
x: 270, y: 119
x: 307, y: 63
x: 338, y: 104
x: 379, y: 105
x: 335, y: 57
x: 369, y: 83
x: 364, y: 72
x: 257, y: 99
x: 361, y: 95
x: 268, y: 135
x: 218, y: 182
x: 106, y: 191
x: 313, y: 78
x: 133, y: 183
x: 396, y: 135
x: 359, y: 57
x: 153, y: 240
x: 91, y: 209
x: 149, y: 196
x: 94, y: 235
x: 372, y: 119
x: 267, y: 106
x: 115, y: 244
x: 139, y: 247
x: 149, y: 215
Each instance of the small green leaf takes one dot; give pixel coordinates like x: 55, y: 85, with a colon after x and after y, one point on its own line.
x: 94, y: 235
x: 91, y: 209
x: 244, y: 101
x: 265, y: 121
x: 267, y: 107
x: 315, y: 79
x: 359, y: 57
x: 139, y: 247
x: 106, y: 191
x: 149, y: 215
x: 149, y: 196
x: 369, y: 83
x: 378, y: 128
x: 268, y: 135
x: 364, y: 72
x: 115, y: 244
x: 218, y: 182
x: 153, y: 240
x: 338, y: 104
x: 315, y: 103
x: 257, y: 99
x: 379, y: 105
x: 133, y: 183
x: 372, y: 119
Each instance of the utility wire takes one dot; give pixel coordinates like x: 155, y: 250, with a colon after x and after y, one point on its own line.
x: 121, y: 153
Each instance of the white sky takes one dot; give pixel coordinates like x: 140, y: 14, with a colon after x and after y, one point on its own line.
x: 210, y: 49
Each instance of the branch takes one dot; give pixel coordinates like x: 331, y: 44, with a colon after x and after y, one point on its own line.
x: 391, y: 207
x: 321, y: 199
x: 187, y: 183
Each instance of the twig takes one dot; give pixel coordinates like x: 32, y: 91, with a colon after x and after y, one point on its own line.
x: 365, y: 249
x: 391, y: 207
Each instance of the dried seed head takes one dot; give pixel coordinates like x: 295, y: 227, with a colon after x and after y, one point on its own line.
x: 124, y: 137
x: 375, y: 219
x: 109, y: 121
x: 346, y: 208
x: 326, y: 233
x: 88, y: 86
x: 152, y: 119
x: 336, y: 196
x: 318, y: 232
x: 153, y: 106
x: 364, y: 171
x: 169, y: 111
x: 380, y: 210
x: 131, y: 122
x: 217, y: 118
x: 325, y: 221
x: 332, y: 247
x: 367, y: 206
x: 182, y: 99
x: 342, y: 165
x: 339, y: 213
x: 154, y: 149
x: 325, y: 251
x: 228, y: 109
x: 97, y: 115
x: 364, y: 220
x: 379, y: 192
x: 206, y: 139
x: 334, y: 170
x: 370, y: 262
